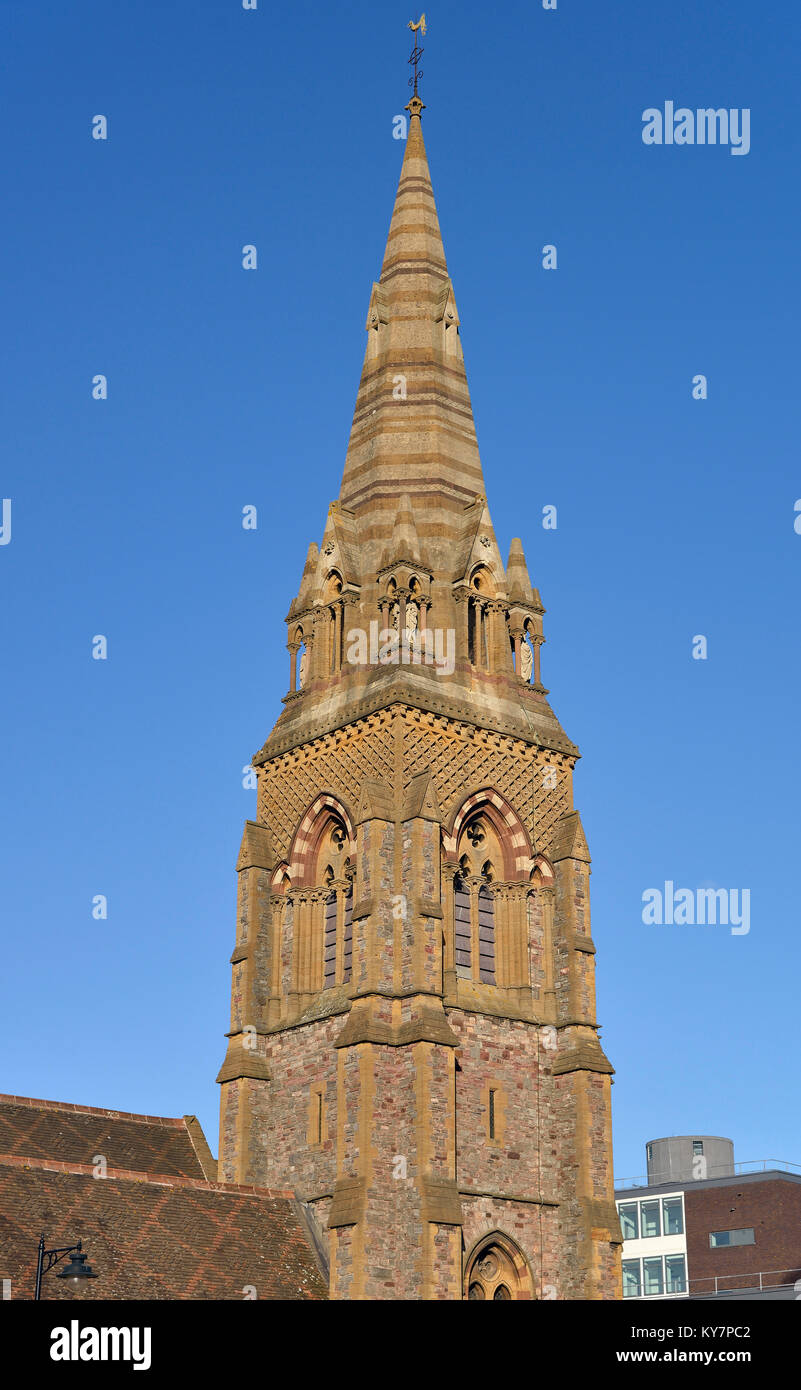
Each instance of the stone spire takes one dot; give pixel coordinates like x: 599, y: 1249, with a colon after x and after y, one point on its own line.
x: 409, y: 545
x: 413, y: 429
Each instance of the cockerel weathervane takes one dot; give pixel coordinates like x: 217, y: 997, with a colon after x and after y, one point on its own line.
x: 419, y: 29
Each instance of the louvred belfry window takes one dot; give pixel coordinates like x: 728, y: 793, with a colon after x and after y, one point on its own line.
x: 330, y: 941
x: 462, y: 926
x: 347, y: 955
x: 333, y: 873
x: 486, y: 935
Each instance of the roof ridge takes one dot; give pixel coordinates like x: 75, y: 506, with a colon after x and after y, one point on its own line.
x: 56, y: 1165
x: 34, y: 1103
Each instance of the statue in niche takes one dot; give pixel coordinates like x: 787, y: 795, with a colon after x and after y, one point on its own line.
x: 526, y: 659
x: 411, y: 619
x: 304, y: 662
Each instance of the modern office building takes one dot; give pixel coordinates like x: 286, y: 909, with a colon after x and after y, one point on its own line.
x: 700, y: 1225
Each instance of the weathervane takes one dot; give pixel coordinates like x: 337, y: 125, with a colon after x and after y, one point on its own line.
x: 417, y: 52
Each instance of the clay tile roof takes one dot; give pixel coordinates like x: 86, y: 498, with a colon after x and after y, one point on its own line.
x: 75, y: 1134
x: 154, y: 1237
x: 158, y: 1225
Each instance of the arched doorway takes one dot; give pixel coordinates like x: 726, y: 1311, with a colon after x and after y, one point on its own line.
x: 497, y: 1271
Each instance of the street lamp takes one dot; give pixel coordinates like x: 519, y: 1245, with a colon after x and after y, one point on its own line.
x: 76, y: 1271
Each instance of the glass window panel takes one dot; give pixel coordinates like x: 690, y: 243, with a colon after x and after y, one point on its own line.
x: 743, y: 1237
x: 652, y: 1275
x: 698, y: 1146
x: 628, y: 1220
x: 673, y: 1224
x: 675, y: 1274
x: 650, y: 1224
x: 631, y: 1278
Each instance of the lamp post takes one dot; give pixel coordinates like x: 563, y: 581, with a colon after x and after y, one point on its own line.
x: 75, y: 1272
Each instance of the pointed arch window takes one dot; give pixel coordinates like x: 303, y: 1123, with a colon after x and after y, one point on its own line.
x: 331, y: 906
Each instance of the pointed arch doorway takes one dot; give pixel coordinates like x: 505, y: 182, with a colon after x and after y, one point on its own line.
x: 496, y: 1270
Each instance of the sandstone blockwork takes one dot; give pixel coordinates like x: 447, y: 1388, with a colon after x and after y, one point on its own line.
x: 413, y: 1046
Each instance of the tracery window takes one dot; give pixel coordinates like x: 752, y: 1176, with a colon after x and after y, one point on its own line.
x: 474, y: 906
x: 337, y: 920
x: 324, y: 948
x: 486, y: 885
x: 497, y: 1272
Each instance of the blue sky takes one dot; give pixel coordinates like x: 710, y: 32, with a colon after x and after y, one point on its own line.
x: 227, y: 388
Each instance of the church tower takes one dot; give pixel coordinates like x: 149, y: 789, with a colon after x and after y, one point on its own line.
x: 413, y: 1047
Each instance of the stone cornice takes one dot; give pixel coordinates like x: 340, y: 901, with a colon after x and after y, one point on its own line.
x: 406, y: 697
x: 403, y: 562
x: 431, y: 1026
x: 536, y: 1200
x: 307, y: 612
x: 490, y: 1008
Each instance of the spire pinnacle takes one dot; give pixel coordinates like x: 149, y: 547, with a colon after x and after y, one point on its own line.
x: 517, y: 577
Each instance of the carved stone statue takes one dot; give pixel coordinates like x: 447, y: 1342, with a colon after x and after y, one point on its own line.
x: 304, y: 662
x: 526, y: 660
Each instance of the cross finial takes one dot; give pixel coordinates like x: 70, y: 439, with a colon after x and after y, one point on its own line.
x: 419, y: 27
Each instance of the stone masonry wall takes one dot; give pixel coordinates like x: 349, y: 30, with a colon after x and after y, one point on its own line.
x: 508, y: 1057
